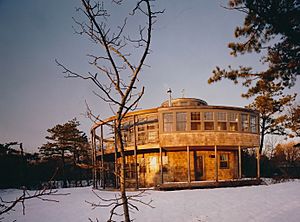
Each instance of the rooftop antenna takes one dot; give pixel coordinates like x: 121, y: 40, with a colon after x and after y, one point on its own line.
x: 170, y: 96
x: 182, y: 93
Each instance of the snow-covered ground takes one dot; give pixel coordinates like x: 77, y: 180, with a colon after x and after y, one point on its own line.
x: 275, y: 202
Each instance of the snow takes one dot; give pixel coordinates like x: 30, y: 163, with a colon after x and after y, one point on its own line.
x: 275, y: 202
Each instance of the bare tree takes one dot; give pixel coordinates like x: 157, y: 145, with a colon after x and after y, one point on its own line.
x: 115, y: 75
x: 116, y: 202
x: 44, y: 194
x: 270, y: 145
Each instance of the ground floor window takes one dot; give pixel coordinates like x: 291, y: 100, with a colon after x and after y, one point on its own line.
x: 224, y: 161
x: 130, y: 171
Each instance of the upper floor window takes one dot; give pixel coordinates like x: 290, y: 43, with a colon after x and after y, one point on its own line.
x: 233, y: 121
x: 141, y: 134
x: 209, y: 121
x: 253, y: 124
x: 168, y: 122
x: 208, y: 116
x: 244, y: 122
x: 195, y: 121
x: 222, y: 121
x: 181, y: 121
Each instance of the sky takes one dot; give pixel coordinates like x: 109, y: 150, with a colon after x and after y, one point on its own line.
x: 189, y: 40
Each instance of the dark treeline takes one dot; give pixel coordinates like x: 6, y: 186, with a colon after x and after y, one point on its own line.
x: 35, y: 171
x: 62, y: 162
x: 280, y: 162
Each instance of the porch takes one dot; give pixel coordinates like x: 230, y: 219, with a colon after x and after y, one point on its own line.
x: 208, y: 184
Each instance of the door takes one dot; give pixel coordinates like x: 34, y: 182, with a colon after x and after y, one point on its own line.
x: 198, y: 166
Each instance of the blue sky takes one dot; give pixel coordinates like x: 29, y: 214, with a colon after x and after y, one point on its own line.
x: 189, y: 40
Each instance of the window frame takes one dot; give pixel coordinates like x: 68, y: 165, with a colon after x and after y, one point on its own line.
x: 208, y: 120
x: 195, y: 121
x: 253, y: 126
x: 169, y: 123
x: 180, y: 121
x: 233, y: 121
x: 221, y: 121
x: 224, y: 161
x: 245, y: 122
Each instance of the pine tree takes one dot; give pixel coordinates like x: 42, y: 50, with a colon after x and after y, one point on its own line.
x: 66, y: 140
x: 271, y: 27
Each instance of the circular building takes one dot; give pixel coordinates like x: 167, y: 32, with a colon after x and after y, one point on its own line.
x: 183, y: 141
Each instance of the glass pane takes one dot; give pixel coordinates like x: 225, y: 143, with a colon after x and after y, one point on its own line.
x: 151, y: 127
x: 195, y: 126
x: 181, y: 126
x: 222, y: 126
x: 221, y: 116
x: 141, y: 128
x: 168, y: 117
x: 181, y: 117
x: 233, y: 126
x: 233, y: 117
x: 224, y: 161
x: 209, y: 126
x: 168, y: 122
x: 195, y: 116
x: 152, y: 136
x: 141, y: 137
x: 244, y: 122
x: 181, y: 121
x: 253, y: 124
x: 208, y: 116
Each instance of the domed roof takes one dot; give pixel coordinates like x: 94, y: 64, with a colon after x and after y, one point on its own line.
x: 184, y: 102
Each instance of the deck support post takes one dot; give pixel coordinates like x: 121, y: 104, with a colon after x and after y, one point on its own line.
x: 94, y: 164
x: 161, y: 166
x: 102, y: 157
x: 216, y: 163
x: 258, y: 163
x: 188, y: 164
x: 240, y: 162
x: 116, y: 157
x: 135, y: 155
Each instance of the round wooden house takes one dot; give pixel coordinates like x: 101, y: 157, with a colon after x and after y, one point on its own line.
x: 183, y: 141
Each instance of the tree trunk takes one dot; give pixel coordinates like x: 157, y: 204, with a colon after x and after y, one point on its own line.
x: 122, y: 175
x: 262, y: 135
x: 63, y: 168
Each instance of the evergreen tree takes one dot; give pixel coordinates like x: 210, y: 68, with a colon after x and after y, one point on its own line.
x: 271, y: 27
x: 66, y: 141
x: 293, y: 121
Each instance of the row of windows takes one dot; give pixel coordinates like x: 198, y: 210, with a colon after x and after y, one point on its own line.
x: 221, y: 121
x: 130, y: 170
x: 146, y: 130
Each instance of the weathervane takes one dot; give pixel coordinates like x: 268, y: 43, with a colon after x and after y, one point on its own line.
x: 169, y: 91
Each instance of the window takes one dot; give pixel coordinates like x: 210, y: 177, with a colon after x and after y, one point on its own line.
x: 244, y: 122
x: 152, y: 136
x: 168, y: 122
x: 208, y: 121
x: 127, y: 132
x: 180, y: 121
x: 253, y: 124
x: 233, y: 121
x: 224, y: 161
x: 142, y: 165
x: 152, y: 130
x: 208, y: 116
x: 130, y: 171
x: 141, y: 134
x: 195, y: 121
x: 221, y: 118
